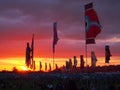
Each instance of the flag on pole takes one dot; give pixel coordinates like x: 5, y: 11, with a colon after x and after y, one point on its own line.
x: 93, y: 59
x: 107, y: 54
x: 32, y: 46
x: 28, y: 57
x: 92, y: 24
x: 32, y: 51
x: 55, y: 36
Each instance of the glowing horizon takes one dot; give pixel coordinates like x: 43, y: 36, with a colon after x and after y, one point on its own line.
x: 20, y: 19
x: 19, y: 63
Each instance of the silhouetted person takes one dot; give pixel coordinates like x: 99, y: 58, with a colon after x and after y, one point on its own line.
x: 71, y: 85
x: 75, y: 62
x: 49, y: 67
x: 81, y: 62
x: 28, y: 50
x: 40, y: 65
x: 56, y: 66
x: 45, y: 66
x: 70, y: 63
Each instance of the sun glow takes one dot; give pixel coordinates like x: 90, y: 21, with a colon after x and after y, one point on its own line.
x: 24, y: 68
x: 19, y: 63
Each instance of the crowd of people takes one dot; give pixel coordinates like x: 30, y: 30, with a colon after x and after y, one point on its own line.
x: 60, y: 81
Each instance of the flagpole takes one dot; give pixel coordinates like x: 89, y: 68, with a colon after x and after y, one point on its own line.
x: 55, y: 39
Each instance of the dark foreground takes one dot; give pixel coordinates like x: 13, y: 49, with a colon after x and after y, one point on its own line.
x: 59, y: 81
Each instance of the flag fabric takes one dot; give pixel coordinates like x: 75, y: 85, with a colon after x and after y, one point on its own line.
x: 81, y: 62
x: 93, y: 59
x: 107, y: 54
x: 32, y: 47
x: 55, y: 36
x: 92, y: 24
x: 32, y: 52
x: 28, y: 50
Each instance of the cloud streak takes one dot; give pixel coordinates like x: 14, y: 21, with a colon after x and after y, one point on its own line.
x: 20, y: 18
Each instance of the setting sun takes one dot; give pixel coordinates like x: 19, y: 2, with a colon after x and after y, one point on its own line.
x: 41, y: 27
x: 24, y: 68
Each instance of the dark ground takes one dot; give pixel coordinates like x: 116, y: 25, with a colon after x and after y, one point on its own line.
x: 58, y: 80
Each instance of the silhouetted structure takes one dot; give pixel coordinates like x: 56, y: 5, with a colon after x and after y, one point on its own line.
x: 107, y: 54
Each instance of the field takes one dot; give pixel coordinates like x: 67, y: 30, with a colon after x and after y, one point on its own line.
x: 59, y: 81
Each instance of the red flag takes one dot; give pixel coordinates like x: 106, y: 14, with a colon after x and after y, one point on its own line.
x: 92, y: 25
x: 55, y: 36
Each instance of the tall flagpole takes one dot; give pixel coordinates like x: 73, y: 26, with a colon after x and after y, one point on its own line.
x: 55, y: 39
x: 92, y: 26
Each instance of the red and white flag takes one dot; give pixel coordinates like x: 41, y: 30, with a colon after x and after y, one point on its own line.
x: 92, y: 24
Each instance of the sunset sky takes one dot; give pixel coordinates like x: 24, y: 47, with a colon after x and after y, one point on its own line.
x: 19, y: 19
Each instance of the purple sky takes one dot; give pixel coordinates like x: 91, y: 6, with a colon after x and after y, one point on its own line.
x: 20, y: 18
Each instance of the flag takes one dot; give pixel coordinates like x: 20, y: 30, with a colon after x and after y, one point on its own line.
x: 55, y: 36
x: 81, y: 62
x: 32, y: 46
x: 107, y: 54
x: 32, y: 51
x: 93, y: 59
x: 28, y: 50
x: 92, y: 24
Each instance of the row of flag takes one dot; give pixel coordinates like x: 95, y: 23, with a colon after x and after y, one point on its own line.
x: 92, y: 29
x: 92, y: 26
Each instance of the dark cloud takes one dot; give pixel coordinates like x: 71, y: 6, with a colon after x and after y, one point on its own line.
x: 20, y: 18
